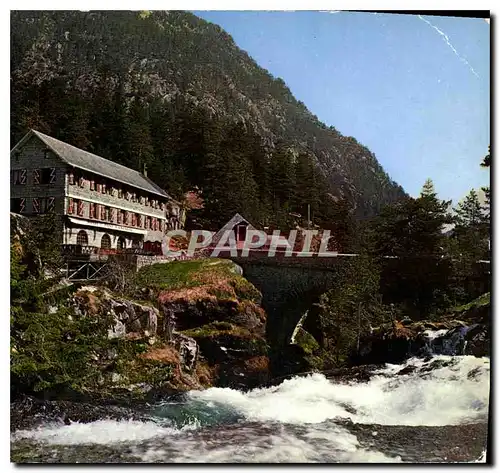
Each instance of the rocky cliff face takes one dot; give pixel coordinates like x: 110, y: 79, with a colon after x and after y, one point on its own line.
x: 66, y: 65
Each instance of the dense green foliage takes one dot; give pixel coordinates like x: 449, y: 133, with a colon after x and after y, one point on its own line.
x: 173, y: 92
x: 409, y: 267
x: 53, y: 349
x: 351, y: 308
x: 412, y: 231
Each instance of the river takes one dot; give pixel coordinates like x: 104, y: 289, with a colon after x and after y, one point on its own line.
x: 436, y: 411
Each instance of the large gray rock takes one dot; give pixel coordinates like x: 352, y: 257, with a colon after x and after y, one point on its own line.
x: 188, y: 351
x: 128, y: 316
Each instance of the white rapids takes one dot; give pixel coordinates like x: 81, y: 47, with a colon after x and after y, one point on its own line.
x: 301, y: 414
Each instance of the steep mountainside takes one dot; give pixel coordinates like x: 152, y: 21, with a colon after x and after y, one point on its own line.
x: 77, y: 75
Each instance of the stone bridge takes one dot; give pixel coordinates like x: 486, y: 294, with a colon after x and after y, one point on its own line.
x: 289, y: 286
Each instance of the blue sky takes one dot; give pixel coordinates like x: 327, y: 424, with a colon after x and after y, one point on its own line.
x: 391, y: 81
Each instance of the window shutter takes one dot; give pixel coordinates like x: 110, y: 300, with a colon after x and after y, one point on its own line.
x: 112, y: 215
x: 80, y: 208
x: 126, y: 218
x: 52, y: 175
x: 103, y: 212
x: 71, y: 178
x: 51, y: 204
x: 70, y: 205
x: 139, y: 221
x: 36, y: 205
x: 22, y: 205
x: 22, y: 177
x: 92, y: 185
x: 82, y: 182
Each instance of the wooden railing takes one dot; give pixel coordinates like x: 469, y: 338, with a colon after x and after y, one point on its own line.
x: 79, y: 250
x: 85, y: 250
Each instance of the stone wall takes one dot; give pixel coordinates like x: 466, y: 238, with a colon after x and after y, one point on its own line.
x: 143, y: 260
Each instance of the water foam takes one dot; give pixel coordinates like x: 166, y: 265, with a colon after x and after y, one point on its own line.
x: 100, y: 432
x: 443, y: 396
x: 316, y: 444
x: 292, y: 422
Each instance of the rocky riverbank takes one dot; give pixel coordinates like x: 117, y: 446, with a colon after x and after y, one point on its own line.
x: 465, y: 330
x: 180, y: 326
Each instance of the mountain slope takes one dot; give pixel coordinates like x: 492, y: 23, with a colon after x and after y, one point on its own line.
x: 169, y: 60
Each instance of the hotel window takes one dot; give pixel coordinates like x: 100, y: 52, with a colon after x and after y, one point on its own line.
x: 18, y: 205
x: 50, y: 204
x: 82, y: 238
x: 134, y: 220
x: 71, y: 206
x: 92, y: 210
x: 19, y: 176
x: 71, y: 178
x: 120, y: 193
x: 111, y: 215
x: 92, y: 185
x: 139, y: 221
x: 126, y: 218
x: 81, y: 182
x: 43, y: 205
x: 36, y: 205
x: 103, y: 213
x: 47, y: 175
x: 79, y: 207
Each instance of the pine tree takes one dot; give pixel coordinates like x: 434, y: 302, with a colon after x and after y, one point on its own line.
x: 472, y: 230
x: 470, y: 212
x: 486, y: 164
x: 412, y: 231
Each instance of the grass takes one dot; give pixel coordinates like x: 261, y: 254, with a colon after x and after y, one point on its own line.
x: 306, y: 341
x: 483, y: 300
x: 215, y: 329
x: 214, y: 277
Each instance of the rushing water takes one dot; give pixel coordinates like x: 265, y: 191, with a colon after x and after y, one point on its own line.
x: 391, y: 418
